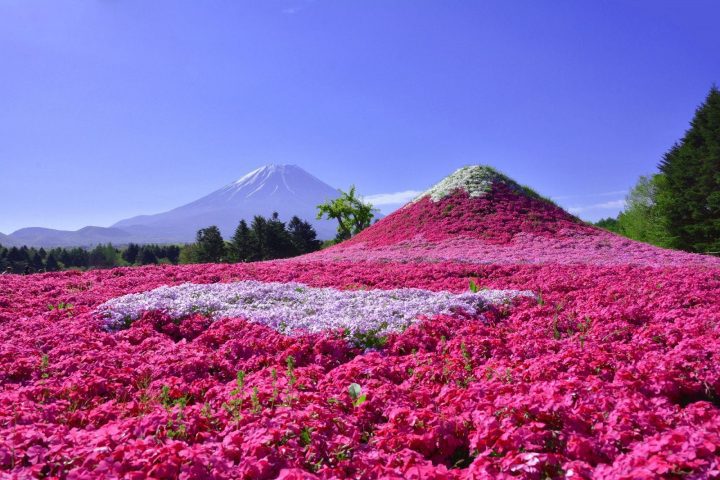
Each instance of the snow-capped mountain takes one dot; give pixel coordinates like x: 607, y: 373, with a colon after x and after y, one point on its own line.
x: 286, y: 189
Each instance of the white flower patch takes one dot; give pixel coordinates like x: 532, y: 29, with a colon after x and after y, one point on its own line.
x: 295, y: 307
x: 476, y: 180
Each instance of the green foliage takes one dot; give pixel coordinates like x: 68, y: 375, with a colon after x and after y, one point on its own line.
x: 352, y: 214
x: 32, y: 260
x: 62, y: 307
x: 680, y: 206
x: 277, y: 242
x: 210, y: 245
x: 608, y: 223
x: 241, y: 245
x: 303, y: 236
x: 189, y: 254
x: 371, y: 339
x: 356, y: 395
x: 689, y: 196
x: 44, y: 365
x: 234, y: 406
x: 641, y: 220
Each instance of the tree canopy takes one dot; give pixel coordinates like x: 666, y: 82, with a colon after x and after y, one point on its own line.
x: 352, y: 214
x: 689, y: 196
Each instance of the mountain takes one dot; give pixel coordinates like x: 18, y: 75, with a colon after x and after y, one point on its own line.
x: 286, y: 189
x: 478, y: 215
x: 85, y: 237
x: 7, y: 241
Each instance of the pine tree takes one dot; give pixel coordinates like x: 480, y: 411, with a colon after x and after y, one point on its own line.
x: 241, y: 245
x: 210, y: 245
x: 131, y: 253
x: 37, y: 262
x: 147, y: 257
x: 258, y: 234
x: 689, y: 196
x: 51, y: 264
x: 303, y: 236
x: 277, y: 240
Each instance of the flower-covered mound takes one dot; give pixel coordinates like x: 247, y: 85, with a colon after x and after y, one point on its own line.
x: 479, y: 216
x: 296, y: 308
x: 610, y: 370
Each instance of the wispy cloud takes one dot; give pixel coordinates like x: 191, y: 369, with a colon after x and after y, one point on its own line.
x: 297, y: 7
x: 394, y: 198
x: 591, y: 195
x: 611, y: 205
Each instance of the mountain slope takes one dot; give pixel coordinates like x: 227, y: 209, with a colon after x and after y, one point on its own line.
x: 478, y: 215
x: 286, y: 189
x: 7, y: 241
x: 84, y: 237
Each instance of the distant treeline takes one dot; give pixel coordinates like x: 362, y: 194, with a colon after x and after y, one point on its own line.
x: 264, y: 239
x: 34, y: 260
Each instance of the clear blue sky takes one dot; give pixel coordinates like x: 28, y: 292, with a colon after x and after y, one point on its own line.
x: 111, y: 108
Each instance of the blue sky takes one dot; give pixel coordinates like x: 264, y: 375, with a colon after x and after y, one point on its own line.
x: 112, y: 108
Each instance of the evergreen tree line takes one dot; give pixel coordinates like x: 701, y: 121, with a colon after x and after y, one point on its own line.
x: 263, y: 239
x: 34, y: 260
x: 679, y: 206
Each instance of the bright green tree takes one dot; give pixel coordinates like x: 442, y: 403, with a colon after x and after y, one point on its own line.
x: 641, y: 220
x: 352, y: 214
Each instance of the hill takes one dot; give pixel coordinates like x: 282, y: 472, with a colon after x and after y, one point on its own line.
x: 479, y: 215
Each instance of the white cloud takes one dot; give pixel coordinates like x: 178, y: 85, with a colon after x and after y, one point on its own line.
x: 591, y: 195
x: 611, y: 205
x: 392, y: 198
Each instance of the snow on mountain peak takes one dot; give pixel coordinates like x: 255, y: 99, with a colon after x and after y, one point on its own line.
x: 266, y: 171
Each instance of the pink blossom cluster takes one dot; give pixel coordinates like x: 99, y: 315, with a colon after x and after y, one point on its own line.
x: 610, y: 371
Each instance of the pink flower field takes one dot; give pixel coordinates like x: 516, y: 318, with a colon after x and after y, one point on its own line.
x: 478, y: 332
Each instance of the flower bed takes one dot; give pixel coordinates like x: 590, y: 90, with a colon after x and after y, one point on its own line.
x: 611, y: 369
x: 295, y: 308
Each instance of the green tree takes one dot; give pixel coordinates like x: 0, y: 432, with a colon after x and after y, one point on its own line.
x: 258, y: 234
x: 147, y: 256
x: 103, y: 256
x: 689, y: 197
x: 188, y: 254
x: 241, y: 245
x: 51, y: 264
x: 210, y: 245
x: 37, y: 262
x: 641, y: 219
x: 303, y: 236
x: 131, y: 253
x: 608, y: 223
x: 351, y: 213
x: 278, y: 243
